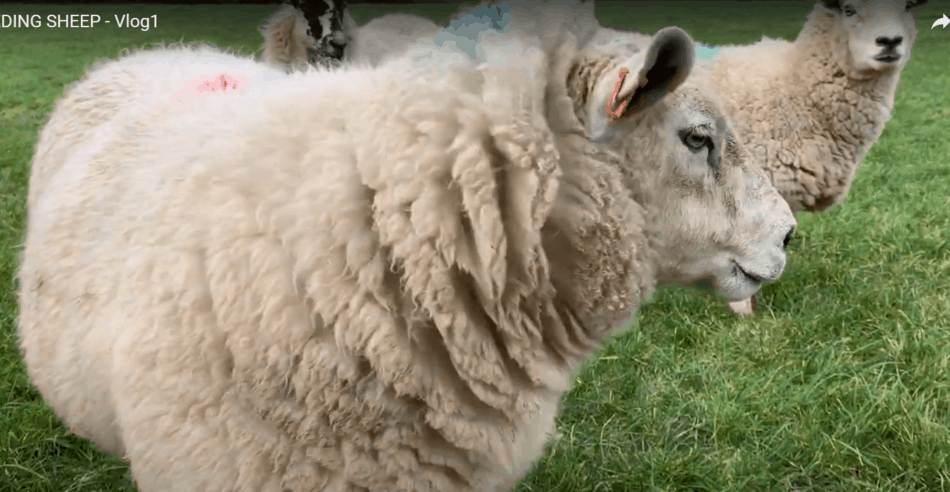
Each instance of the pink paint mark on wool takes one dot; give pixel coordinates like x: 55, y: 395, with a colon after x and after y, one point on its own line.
x: 208, y: 86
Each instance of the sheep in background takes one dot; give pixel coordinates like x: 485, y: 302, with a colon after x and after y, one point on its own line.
x: 460, y: 41
x: 500, y: 6
x: 377, y: 280
x: 390, y: 34
x: 809, y: 110
x: 386, y: 35
x: 306, y: 33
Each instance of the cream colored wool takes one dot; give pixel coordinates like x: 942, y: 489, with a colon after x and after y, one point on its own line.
x: 112, y: 88
x: 376, y: 280
x: 386, y: 35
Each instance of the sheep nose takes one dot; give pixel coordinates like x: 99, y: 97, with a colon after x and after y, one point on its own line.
x: 336, y: 49
x: 889, y: 43
x: 338, y: 38
x: 788, y: 237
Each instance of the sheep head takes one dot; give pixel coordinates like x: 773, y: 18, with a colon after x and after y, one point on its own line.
x: 879, y: 33
x: 306, y: 32
x: 711, y: 214
x: 326, y: 25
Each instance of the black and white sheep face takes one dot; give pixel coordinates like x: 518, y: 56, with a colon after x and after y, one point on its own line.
x: 880, y: 32
x: 717, y: 217
x: 307, y: 33
x: 325, y: 27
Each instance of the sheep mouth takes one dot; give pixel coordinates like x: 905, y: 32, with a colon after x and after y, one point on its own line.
x: 752, y: 278
x: 887, y: 57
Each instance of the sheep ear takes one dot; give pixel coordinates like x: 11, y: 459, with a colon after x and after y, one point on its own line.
x: 653, y: 74
x: 284, y: 38
x: 830, y: 4
x: 913, y: 5
x: 349, y: 23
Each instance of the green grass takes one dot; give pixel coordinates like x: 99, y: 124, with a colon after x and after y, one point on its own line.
x: 840, y: 382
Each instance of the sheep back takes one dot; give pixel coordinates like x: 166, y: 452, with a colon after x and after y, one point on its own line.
x: 111, y: 87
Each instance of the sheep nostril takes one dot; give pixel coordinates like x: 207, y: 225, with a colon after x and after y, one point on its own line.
x: 336, y: 49
x: 788, y: 237
x: 887, y: 42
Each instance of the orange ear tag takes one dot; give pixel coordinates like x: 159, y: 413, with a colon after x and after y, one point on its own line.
x: 610, y: 102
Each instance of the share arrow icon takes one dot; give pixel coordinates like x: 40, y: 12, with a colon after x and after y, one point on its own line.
x: 942, y: 22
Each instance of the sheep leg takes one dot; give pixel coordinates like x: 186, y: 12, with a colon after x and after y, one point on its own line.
x: 744, y: 307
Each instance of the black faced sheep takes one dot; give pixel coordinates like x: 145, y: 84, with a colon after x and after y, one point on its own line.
x: 304, y: 33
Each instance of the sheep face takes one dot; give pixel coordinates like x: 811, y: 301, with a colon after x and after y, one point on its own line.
x: 306, y: 33
x: 719, y: 219
x: 324, y: 26
x: 880, y: 33
x: 714, y: 214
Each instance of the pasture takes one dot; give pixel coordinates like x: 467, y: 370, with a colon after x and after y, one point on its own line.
x: 839, y: 382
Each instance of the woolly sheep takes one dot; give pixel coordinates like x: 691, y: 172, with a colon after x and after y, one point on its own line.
x: 809, y: 110
x: 388, y: 34
x: 385, y: 35
x: 366, y: 280
x: 306, y: 33
x: 391, y: 34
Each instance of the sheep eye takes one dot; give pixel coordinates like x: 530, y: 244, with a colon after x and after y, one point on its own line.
x: 697, y: 141
x: 849, y: 10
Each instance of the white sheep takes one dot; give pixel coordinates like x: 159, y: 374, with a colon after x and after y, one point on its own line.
x: 374, y: 280
x: 388, y: 34
x: 304, y: 33
x: 809, y: 110
x: 500, y: 7
x: 383, y: 37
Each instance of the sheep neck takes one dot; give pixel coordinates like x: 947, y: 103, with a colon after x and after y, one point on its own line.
x: 602, y: 263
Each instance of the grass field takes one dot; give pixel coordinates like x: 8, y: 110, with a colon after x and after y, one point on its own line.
x: 840, y: 382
